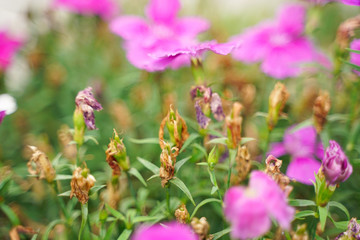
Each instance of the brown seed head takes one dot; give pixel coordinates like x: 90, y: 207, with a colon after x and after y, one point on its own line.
x: 243, y: 165
x: 277, y: 101
x: 182, y: 214
x: 167, y: 161
x: 321, y: 109
x: 233, y: 124
x: 201, y: 227
x: 273, y: 166
x: 43, y: 169
x: 346, y: 31
x: 81, y: 182
x: 116, y: 155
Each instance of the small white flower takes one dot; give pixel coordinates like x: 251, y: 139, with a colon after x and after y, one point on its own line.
x: 7, y: 104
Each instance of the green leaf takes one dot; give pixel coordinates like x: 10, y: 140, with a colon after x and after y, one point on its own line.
x: 125, y: 234
x: 221, y: 140
x: 50, y: 227
x: 152, y: 167
x: 188, y: 141
x: 65, y: 194
x: 10, y: 214
x: 115, y: 213
x: 317, y: 237
x: 147, y: 218
x: 202, y: 164
x: 180, y: 163
x: 352, y: 50
x: 261, y: 114
x: 301, y: 202
x: 201, y: 148
x: 135, y: 173
x: 307, y: 122
x: 221, y: 233
x: 153, y: 176
x: 246, y: 140
x: 323, y: 212
x: 34, y: 237
x: 63, y: 177
x: 180, y: 184
x: 356, y: 67
x: 145, y: 140
x: 305, y: 213
x: 202, y: 203
x: 213, y: 190
x: 84, y: 216
x: 95, y: 189
x: 341, y: 207
x: 109, y: 231
x: 91, y: 138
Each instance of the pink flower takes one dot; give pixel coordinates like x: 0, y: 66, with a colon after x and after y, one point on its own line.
x: 250, y: 210
x: 2, y: 116
x: 8, y: 48
x: 160, y: 33
x: 172, y: 230
x: 280, y: 45
x: 302, y: 146
x: 351, y: 2
x: 355, y: 57
x: 347, y: 2
x: 104, y: 8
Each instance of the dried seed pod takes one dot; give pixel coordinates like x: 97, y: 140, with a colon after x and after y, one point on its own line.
x: 233, y: 124
x: 243, y: 165
x: 182, y: 214
x: 277, y: 101
x: 273, y: 166
x: 321, y: 109
x: 201, y: 227
x: 167, y: 160
x: 81, y: 182
x: 116, y: 155
x: 44, y: 169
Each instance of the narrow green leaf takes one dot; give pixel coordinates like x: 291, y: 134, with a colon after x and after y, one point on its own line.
x: 305, y: 213
x: 63, y: 177
x: 180, y: 163
x: 246, y: 140
x: 221, y: 233
x: 56, y: 160
x: 147, y: 218
x: 317, y: 237
x: 95, y: 189
x: 261, y: 114
x: 356, y: 67
x: 10, y: 214
x: 135, y: 173
x: 125, y: 234
x: 213, y: 190
x: 323, y: 212
x: 110, y: 231
x: 180, y: 184
x: 91, y: 138
x: 145, y: 140
x: 65, y: 194
x: 307, y: 122
x: 202, y: 164
x: 84, y: 216
x: 352, y: 50
x: 115, y: 213
x: 221, y: 140
x: 152, y: 167
x: 201, y: 148
x: 301, y: 202
x: 50, y: 227
x: 202, y: 203
x: 341, y: 207
x: 153, y: 176
x: 189, y: 140
x: 34, y: 237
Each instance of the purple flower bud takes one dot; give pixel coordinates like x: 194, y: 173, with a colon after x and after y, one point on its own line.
x: 335, y: 165
x: 200, y: 116
x: 86, y: 102
x: 2, y: 115
x: 216, y: 107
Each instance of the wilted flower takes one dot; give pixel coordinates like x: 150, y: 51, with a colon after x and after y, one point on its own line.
x: 8, y: 48
x: 65, y: 138
x: 44, y: 169
x: 301, y: 144
x: 86, y: 103
x: 242, y: 165
x: 352, y: 233
x: 321, y: 109
x: 250, y: 210
x: 335, y: 165
x: 277, y: 101
x: 104, y: 8
x: 182, y: 214
x: 273, y: 166
x: 81, y: 182
x: 167, y: 160
x: 163, y: 32
x: 280, y: 44
x: 355, y: 57
x: 201, y: 227
x: 165, y: 231
x: 346, y: 31
x: 116, y: 155
x: 233, y: 124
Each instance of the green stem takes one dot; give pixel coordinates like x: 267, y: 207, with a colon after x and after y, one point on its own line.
x: 167, y: 190
x: 132, y: 191
x: 267, y: 142
x: 215, y: 183
x: 84, y: 216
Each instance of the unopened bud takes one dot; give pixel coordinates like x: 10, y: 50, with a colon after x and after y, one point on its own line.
x: 213, y: 158
x: 243, y: 165
x: 201, y: 227
x: 233, y: 124
x: 43, y: 169
x: 277, y: 101
x: 167, y: 160
x: 321, y: 109
x: 346, y: 31
x: 182, y: 214
x: 79, y: 126
x: 116, y: 155
x: 81, y: 183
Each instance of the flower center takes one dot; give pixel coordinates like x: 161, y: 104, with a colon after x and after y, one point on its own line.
x: 279, y: 39
x: 162, y: 31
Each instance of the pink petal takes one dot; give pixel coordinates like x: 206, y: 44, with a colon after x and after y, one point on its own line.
x: 302, y: 169
x: 8, y: 48
x: 163, y: 11
x: 191, y: 26
x: 300, y: 142
x: 230, y: 199
x: 172, y: 230
x: 355, y: 57
x: 277, y: 149
x: 291, y: 19
x: 351, y: 2
x: 2, y: 116
x: 130, y: 27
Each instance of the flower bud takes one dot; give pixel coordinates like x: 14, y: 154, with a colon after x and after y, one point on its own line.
x: 233, y: 124
x: 167, y: 161
x: 81, y: 183
x: 321, y: 109
x: 182, y: 214
x: 116, y: 155
x: 213, y: 158
x: 277, y: 101
x: 44, y: 169
x: 335, y: 165
x: 201, y: 227
x: 242, y: 165
x: 79, y: 126
x: 352, y: 233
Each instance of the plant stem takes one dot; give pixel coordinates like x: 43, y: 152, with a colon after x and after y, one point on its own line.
x: 267, y: 142
x: 167, y: 190
x: 232, y: 155
x: 213, y: 180
x: 132, y: 191
x: 84, y: 216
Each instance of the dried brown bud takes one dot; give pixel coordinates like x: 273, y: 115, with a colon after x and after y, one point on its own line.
x: 182, y: 214
x: 167, y: 160
x: 321, y: 109
x: 15, y: 231
x: 277, y: 101
x: 273, y: 166
x: 201, y: 227
x: 81, y: 182
x: 242, y: 165
x: 116, y: 155
x: 43, y: 169
x: 233, y: 124
x: 65, y: 138
x: 177, y: 128
x: 346, y: 31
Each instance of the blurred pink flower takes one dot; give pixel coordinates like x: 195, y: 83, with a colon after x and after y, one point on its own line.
x: 280, y: 45
x: 162, y: 32
x: 351, y: 2
x: 2, y: 115
x: 302, y: 145
x: 250, y: 210
x: 172, y: 230
x: 104, y: 8
x: 8, y: 48
x: 355, y: 57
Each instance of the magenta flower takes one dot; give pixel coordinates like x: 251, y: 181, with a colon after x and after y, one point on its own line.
x: 303, y: 147
x: 87, y: 103
x: 160, y: 33
x: 172, y: 230
x: 2, y: 116
x: 103, y: 8
x: 355, y: 57
x: 8, y: 48
x: 250, y: 210
x: 347, y: 2
x: 336, y: 166
x: 351, y: 2
x: 280, y: 45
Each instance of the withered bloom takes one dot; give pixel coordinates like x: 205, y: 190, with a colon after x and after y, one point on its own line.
x: 233, y: 124
x: 65, y: 138
x: 44, y: 169
x: 277, y: 101
x: 242, y: 165
x: 201, y: 227
x: 15, y: 231
x: 116, y: 155
x: 177, y: 128
x: 321, y: 109
x: 167, y: 160
x: 182, y: 214
x: 81, y: 182
x: 346, y: 31
x: 273, y: 166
